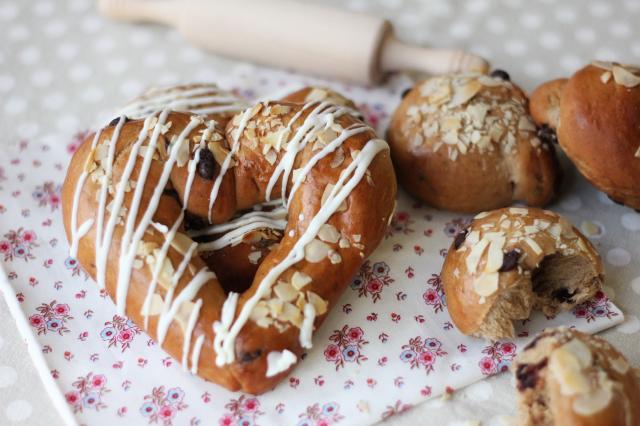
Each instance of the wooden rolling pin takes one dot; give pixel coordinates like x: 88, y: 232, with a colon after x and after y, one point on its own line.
x: 288, y: 34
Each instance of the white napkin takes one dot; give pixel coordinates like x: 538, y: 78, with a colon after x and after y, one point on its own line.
x: 387, y: 345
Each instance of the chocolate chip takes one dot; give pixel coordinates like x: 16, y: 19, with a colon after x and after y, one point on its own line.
x: 194, y: 222
x: 527, y: 375
x: 116, y: 120
x: 563, y: 295
x: 501, y: 74
x: 462, y: 235
x: 547, y: 135
x: 250, y: 356
x: 405, y: 92
x: 206, y: 164
x: 510, y: 260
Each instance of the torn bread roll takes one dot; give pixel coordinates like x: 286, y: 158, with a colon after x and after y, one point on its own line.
x: 565, y: 378
x: 466, y: 143
x: 511, y: 261
x: 596, y: 115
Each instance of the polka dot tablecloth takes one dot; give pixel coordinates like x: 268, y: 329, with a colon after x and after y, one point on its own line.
x: 62, y: 67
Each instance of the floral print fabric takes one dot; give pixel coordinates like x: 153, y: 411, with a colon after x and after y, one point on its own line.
x: 387, y: 345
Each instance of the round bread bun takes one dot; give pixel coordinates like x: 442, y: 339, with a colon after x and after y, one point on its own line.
x: 511, y: 261
x: 596, y: 114
x: 565, y: 378
x: 466, y: 143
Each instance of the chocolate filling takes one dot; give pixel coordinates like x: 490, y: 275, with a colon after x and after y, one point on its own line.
x: 460, y: 237
x: 194, y: 222
x: 510, y: 260
x: 527, y: 375
x: 547, y: 135
x: 207, y: 164
x: 501, y: 74
x: 250, y: 356
x: 117, y: 119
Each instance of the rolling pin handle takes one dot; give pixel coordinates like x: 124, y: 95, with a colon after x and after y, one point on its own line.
x: 399, y: 56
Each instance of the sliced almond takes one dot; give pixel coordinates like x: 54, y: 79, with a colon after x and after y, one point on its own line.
x: 285, y: 291
x: 625, y: 77
x: 275, y: 307
x: 486, y: 284
x: 316, y: 251
x: 271, y: 157
x: 534, y: 245
x: 474, y: 256
x: 338, y: 158
x: 463, y: 94
x: 605, y: 77
x: 299, y: 280
x: 334, y: 257
x: 344, y: 243
x: 320, y: 305
x: 495, y: 255
x: 567, y: 363
x: 181, y: 243
x: 261, y: 310
x: 290, y: 313
x: 329, y: 233
x: 182, y: 155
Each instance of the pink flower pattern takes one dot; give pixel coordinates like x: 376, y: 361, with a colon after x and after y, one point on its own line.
x: 119, y: 332
x: 371, y: 280
x: 598, y: 307
x: 47, y: 194
x: 18, y: 245
x: 397, y: 408
x: 422, y: 353
x: 434, y: 295
x: 400, y: 224
x: 498, y: 357
x: 88, y: 393
x: 243, y: 411
x: 162, y: 406
x: 321, y: 415
x: 346, y: 346
x: 52, y: 317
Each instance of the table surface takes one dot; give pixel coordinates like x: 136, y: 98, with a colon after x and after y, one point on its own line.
x: 61, y: 65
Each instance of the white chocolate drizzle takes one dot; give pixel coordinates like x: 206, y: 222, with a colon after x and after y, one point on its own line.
x: 227, y: 328
x: 245, y: 117
x: 277, y: 361
x: 197, y: 100
x: 234, y: 231
x: 343, y: 187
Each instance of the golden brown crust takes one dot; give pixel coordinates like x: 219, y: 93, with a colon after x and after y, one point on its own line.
x: 565, y: 377
x: 545, y: 102
x: 319, y: 94
x: 466, y: 143
x: 334, y: 261
x: 599, y: 118
x: 493, y: 272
